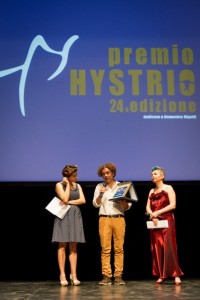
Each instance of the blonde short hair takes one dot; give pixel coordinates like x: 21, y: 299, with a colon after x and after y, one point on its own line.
x: 161, y: 169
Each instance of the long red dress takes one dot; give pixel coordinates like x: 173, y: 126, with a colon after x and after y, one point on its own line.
x: 163, y: 241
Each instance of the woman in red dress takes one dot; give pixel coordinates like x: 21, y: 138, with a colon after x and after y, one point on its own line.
x: 160, y: 206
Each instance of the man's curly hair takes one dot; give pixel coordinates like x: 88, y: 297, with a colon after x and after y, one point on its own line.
x: 110, y: 166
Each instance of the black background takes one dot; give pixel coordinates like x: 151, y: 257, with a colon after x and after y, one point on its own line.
x: 26, y: 251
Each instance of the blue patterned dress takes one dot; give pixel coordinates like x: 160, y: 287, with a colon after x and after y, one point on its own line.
x: 70, y: 228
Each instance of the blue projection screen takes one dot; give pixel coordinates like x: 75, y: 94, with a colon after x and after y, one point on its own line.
x: 87, y: 82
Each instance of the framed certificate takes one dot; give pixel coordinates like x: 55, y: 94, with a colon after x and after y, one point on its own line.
x: 121, y: 190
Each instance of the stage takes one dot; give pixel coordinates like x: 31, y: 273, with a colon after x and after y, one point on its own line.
x: 137, y: 289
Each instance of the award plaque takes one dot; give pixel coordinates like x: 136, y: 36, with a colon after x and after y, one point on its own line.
x: 121, y: 190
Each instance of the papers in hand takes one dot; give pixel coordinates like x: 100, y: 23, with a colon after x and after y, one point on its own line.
x: 56, y: 208
x: 161, y: 224
x: 121, y: 190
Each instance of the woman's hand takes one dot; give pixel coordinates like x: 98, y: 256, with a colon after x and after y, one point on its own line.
x: 155, y: 221
x: 154, y: 215
x: 65, y: 181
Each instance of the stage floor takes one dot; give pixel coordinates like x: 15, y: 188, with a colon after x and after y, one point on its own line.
x: 138, y: 289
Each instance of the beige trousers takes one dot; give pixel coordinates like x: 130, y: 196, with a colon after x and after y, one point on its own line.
x: 112, y: 232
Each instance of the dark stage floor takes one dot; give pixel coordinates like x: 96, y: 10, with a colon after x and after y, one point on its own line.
x: 138, y: 289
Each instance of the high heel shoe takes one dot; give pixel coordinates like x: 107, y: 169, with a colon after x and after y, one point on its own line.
x: 63, y: 282
x: 177, y: 281
x: 74, y: 281
x: 160, y: 281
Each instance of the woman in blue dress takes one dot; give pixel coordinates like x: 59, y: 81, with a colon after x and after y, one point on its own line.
x: 69, y: 230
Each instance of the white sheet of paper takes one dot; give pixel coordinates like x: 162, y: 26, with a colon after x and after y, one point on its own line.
x: 56, y: 209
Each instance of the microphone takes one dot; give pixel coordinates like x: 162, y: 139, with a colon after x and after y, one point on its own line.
x: 101, y: 194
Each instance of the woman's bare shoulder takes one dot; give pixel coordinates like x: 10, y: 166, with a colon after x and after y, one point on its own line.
x: 168, y: 187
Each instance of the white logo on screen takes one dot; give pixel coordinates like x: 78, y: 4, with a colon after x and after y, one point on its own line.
x: 39, y: 41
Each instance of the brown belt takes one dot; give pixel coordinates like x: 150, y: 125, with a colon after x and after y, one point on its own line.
x: 112, y: 216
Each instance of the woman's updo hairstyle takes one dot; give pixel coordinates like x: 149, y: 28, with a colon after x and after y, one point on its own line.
x: 68, y: 170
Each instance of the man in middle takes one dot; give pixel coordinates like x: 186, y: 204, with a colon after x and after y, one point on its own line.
x: 112, y: 224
